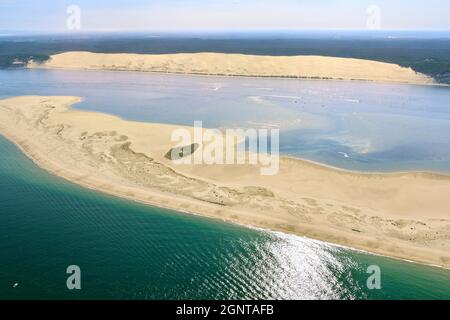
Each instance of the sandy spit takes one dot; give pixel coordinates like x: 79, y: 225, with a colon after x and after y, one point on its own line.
x: 402, y: 215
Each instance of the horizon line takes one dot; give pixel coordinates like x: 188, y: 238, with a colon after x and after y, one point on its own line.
x: 185, y: 30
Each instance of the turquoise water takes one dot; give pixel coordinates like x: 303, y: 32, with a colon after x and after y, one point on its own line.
x: 130, y: 251
x: 353, y: 125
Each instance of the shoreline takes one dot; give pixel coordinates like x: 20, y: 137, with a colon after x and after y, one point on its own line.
x: 236, y: 214
x: 191, y: 213
x: 426, y: 84
x: 305, y: 67
x: 430, y: 173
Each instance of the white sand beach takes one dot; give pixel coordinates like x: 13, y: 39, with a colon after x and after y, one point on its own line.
x: 403, y: 215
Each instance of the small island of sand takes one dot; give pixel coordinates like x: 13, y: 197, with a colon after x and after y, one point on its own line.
x: 403, y: 215
x: 225, y: 64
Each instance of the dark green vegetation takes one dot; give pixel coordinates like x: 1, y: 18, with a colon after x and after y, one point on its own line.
x: 426, y: 53
x: 181, y: 152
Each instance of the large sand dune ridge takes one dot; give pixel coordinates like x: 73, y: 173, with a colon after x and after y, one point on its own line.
x: 309, y: 67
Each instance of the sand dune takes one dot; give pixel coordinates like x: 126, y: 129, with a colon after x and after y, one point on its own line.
x: 405, y: 215
x: 313, y: 67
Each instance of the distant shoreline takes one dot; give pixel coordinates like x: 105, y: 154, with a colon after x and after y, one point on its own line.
x: 232, y: 65
x: 432, y: 84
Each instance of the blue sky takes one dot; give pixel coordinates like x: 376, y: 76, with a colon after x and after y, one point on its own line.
x: 113, y: 15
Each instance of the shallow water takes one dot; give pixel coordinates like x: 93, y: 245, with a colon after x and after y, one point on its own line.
x: 131, y: 251
x: 353, y: 125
